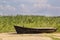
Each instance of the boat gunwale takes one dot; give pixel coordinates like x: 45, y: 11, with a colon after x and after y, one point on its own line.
x: 35, y: 28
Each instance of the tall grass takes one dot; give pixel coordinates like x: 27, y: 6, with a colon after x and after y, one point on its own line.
x: 7, y: 22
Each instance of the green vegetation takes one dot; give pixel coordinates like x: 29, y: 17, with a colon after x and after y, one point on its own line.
x: 7, y: 22
x: 56, y: 39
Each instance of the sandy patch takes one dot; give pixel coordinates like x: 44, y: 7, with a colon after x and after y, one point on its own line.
x: 42, y: 36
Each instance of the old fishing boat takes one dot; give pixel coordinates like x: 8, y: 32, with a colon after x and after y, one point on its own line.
x: 23, y: 30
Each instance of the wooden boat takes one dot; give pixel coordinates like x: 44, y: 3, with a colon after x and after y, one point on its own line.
x: 24, y: 30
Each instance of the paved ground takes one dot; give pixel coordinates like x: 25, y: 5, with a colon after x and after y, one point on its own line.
x: 42, y: 36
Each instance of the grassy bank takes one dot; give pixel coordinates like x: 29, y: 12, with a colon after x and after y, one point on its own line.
x: 7, y: 22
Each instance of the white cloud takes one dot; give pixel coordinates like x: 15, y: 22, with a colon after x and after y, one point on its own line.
x: 53, y: 8
x: 24, y: 8
x: 40, y: 5
x: 23, y: 5
x: 37, y: 5
x: 41, y: 1
x: 4, y: 1
x: 7, y: 7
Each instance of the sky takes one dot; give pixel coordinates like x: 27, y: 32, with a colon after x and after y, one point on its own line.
x: 30, y: 7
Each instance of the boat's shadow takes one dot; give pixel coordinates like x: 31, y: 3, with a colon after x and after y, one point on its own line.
x: 24, y: 33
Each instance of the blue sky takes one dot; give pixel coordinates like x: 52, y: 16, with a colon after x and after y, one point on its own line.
x: 30, y: 7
